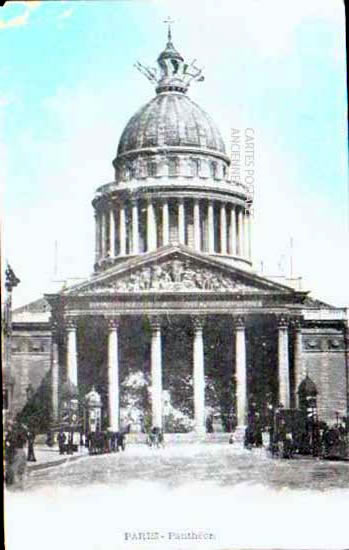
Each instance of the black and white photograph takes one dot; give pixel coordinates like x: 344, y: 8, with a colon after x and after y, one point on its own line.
x: 175, y: 267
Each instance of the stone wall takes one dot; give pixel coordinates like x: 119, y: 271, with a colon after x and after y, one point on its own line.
x: 30, y: 363
x: 324, y: 362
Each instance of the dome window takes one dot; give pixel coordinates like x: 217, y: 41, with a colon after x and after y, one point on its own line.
x: 152, y: 168
x: 213, y: 169
x: 195, y: 167
x: 173, y: 167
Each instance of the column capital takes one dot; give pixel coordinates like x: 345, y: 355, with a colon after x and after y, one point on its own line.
x: 198, y: 322
x: 70, y: 323
x: 239, y: 322
x: 283, y: 322
x: 154, y: 322
x: 113, y: 323
x: 54, y: 326
x: 297, y: 323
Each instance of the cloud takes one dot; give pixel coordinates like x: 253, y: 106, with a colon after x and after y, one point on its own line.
x: 18, y: 21
x: 23, y: 18
x: 67, y: 13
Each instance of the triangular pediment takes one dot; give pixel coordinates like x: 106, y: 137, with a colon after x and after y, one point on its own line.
x: 176, y: 269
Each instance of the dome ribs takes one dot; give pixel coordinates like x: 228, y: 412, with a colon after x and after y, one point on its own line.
x: 170, y: 119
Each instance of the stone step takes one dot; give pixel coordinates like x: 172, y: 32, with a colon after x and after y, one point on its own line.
x: 192, y: 437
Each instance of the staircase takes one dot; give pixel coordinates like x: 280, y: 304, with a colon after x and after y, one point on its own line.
x: 191, y: 437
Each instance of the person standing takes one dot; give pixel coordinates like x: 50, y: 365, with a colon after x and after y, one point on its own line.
x: 31, y: 439
x: 61, y: 441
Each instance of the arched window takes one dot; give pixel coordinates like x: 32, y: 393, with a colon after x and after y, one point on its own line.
x: 213, y: 169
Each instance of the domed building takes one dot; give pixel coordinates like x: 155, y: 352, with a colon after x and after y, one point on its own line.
x: 172, y: 182
x: 174, y: 328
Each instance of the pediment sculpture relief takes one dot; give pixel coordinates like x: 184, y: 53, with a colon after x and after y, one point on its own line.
x: 175, y: 275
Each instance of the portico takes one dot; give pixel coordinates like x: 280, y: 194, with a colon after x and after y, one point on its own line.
x: 146, y: 300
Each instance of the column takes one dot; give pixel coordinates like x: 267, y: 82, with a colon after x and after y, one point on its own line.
x: 156, y: 372
x: 240, y: 229
x: 181, y: 222
x: 97, y: 237
x: 246, y: 235
x: 283, y: 364
x: 111, y: 233
x: 135, y: 228
x: 113, y: 375
x: 103, y: 234
x: 151, y: 227
x: 210, y: 215
x: 54, y: 372
x: 240, y: 372
x: 232, y: 231
x: 249, y: 236
x: 165, y: 224
x: 122, y: 230
x: 199, y: 376
x: 72, y: 358
x: 299, y: 371
x: 197, y: 226
x: 223, y: 223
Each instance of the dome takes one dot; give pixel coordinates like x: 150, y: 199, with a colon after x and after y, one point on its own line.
x: 307, y: 387
x: 171, y: 120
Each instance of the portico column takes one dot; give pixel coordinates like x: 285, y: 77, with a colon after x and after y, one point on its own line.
x: 232, y: 231
x: 197, y: 226
x: 165, y: 224
x: 54, y: 372
x: 122, y: 230
x: 299, y: 372
x: 72, y: 358
x: 181, y: 222
x: 135, y: 228
x: 283, y: 364
x: 156, y: 372
x: 199, y: 376
x: 113, y: 375
x: 210, y: 214
x: 151, y: 227
x: 223, y: 223
x: 111, y: 233
x: 240, y: 372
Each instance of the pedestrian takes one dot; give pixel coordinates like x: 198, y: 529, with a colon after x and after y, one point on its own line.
x: 31, y: 439
x: 61, y: 438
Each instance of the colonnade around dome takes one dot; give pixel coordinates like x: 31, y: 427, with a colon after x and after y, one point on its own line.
x: 137, y: 226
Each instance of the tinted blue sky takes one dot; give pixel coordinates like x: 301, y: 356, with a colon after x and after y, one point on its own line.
x: 69, y: 87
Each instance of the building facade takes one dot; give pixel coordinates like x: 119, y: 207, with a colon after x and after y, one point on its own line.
x: 174, y: 326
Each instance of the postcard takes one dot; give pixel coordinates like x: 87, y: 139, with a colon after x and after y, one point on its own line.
x: 175, y: 274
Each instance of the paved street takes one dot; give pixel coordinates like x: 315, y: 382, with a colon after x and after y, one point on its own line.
x: 242, y: 498
x: 176, y: 466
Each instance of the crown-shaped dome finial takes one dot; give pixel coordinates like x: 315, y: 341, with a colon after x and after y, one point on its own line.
x: 173, y: 74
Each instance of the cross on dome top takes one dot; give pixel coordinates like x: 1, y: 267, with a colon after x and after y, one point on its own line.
x: 169, y: 22
x: 173, y: 74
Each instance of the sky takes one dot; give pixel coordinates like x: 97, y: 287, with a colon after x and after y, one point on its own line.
x: 69, y: 86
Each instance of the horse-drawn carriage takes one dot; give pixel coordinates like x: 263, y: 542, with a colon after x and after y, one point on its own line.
x: 100, y: 442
